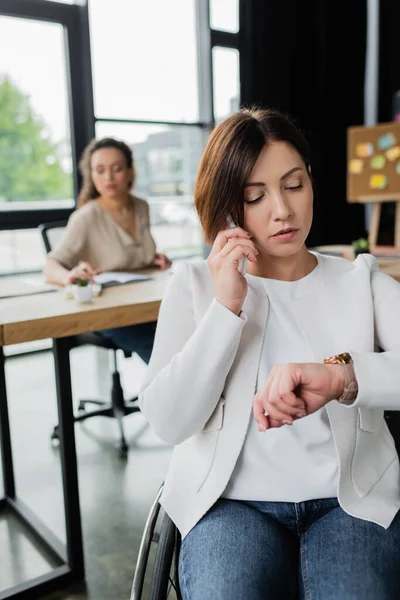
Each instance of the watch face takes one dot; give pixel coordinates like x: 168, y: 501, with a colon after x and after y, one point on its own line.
x: 342, y: 359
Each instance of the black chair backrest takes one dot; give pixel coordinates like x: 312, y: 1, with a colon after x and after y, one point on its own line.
x: 51, y: 233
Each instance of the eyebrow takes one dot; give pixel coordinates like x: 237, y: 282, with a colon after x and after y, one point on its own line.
x: 285, y: 176
x: 114, y: 164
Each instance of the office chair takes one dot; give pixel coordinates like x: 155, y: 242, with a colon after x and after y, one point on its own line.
x: 117, y: 407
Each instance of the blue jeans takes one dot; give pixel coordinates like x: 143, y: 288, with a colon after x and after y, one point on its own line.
x: 133, y: 338
x: 282, y: 551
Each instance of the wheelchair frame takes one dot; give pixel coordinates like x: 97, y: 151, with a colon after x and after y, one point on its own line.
x: 168, y: 544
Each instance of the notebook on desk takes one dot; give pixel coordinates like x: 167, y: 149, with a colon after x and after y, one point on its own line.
x: 112, y: 278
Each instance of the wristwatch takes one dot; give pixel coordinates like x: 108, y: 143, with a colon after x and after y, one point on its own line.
x: 350, y: 388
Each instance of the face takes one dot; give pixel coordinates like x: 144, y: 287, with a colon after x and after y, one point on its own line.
x: 278, y: 201
x: 110, y: 173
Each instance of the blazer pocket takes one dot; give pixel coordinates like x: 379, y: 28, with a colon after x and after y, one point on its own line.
x: 374, y: 450
x: 216, y: 420
x: 207, y: 441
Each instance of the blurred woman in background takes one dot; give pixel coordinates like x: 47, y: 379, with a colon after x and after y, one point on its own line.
x: 109, y: 231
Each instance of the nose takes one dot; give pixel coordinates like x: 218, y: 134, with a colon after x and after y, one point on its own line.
x: 281, y: 207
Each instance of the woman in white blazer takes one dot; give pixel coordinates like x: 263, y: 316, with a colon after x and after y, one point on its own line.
x: 284, y: 481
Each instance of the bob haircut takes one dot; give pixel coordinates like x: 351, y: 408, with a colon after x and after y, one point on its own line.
x: 228, y: 159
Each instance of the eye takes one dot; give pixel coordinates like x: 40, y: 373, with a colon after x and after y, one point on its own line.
x: 295, y: 187
x: 255, y: 200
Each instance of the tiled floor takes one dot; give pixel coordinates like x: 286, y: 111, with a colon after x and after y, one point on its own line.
x: 115, y: 495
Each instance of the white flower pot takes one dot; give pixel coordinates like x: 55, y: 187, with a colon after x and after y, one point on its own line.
x: 83, y: 293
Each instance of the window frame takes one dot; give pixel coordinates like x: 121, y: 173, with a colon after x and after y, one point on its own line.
x: 74, y: 19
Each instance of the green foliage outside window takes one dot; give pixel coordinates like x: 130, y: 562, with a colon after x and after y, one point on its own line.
x: 30, y: 163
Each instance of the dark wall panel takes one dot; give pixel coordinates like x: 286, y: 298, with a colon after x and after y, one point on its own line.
x: 308, y: 58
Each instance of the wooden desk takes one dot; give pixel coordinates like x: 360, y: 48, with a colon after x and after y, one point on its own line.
x: 51, y: 315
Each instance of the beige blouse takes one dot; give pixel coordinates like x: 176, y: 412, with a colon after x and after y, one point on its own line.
x: 92, y: 235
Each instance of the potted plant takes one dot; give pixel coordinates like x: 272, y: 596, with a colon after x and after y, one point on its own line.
x: 360, y: 246
x: 82, y: 290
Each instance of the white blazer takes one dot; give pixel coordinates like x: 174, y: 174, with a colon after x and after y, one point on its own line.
x: 198, y: 389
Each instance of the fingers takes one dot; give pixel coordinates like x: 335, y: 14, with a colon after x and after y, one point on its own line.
x: 86, y: 268
x: 247, y: 246
x: 259, y: 413
x: 162, y: 261
x: 224, y: 236
x: 82, y: 271
x: 264, y: 421
x: 233, y: 256
x: 281, y: 409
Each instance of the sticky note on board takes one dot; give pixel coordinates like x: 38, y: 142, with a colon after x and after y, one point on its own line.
x: 398, y: 167
x: 386, y: 141
x: 356, y: 166
x: 378, y: 161
x: 364, y: 150
x: 378, y: 182
x: 393, y: 153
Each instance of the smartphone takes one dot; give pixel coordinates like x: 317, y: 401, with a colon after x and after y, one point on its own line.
x: 243, y: 261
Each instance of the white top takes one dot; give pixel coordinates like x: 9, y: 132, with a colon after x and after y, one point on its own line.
x: 292, y: 463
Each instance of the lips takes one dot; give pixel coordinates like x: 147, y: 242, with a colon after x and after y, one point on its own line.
x: 283, y: 231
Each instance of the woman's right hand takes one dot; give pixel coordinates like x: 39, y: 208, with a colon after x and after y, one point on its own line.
x: 230, y: 285
x: 83, y: 270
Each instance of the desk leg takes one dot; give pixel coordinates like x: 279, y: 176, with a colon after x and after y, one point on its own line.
x: 68, y: 560
x: 68, y: 457
x: 5, y: 436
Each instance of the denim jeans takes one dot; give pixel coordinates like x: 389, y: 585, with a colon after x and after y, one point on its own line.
x: 284, y: 551
x: 133, y: 338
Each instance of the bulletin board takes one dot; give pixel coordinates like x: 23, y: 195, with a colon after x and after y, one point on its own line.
x: 373, y: 163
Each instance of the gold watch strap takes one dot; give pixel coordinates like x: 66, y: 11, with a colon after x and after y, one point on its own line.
x: 350, y: 388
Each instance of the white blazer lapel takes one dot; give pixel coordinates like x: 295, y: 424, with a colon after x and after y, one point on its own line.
x: 242, y: 380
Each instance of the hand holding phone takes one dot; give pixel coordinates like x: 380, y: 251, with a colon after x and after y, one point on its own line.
x: 243, y: 261
x: 227, y: 262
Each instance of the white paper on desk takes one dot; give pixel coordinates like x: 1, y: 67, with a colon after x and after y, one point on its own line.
x: 118, y: 277
x: 40, y: 283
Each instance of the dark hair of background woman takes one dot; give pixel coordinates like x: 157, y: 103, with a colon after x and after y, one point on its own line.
x: 88, y: 191
x: 228, y: 159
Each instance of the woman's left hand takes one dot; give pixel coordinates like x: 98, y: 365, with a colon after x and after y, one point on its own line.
x: 162, y: 261
x: 295, y: 390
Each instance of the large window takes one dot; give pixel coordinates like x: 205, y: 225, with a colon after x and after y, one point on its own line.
x: 146, y: 75
x: 35, y: 147
x: 155, y: 74
x: 144, y: 64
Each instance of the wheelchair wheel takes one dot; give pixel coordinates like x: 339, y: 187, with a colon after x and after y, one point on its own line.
x: 158, y: 557
x: 164, y: 582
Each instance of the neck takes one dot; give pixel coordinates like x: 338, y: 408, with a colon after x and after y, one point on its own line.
x: 115, y: 203
x: 286, y: 268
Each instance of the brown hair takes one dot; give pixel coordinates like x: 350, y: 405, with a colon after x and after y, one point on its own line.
x: 228, y: 159
x: 88, y: 191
